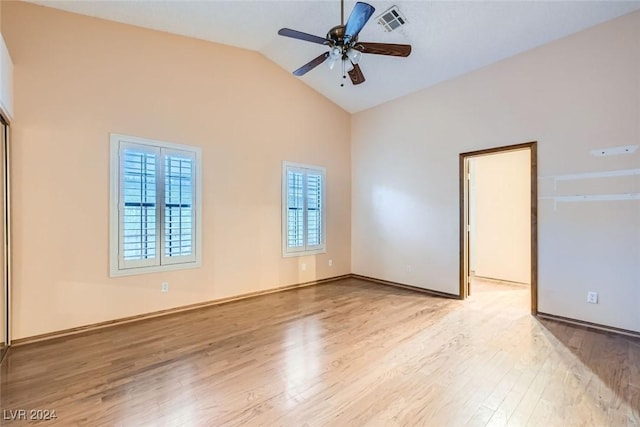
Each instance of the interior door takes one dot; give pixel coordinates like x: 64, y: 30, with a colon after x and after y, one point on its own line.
x: 467, y: 221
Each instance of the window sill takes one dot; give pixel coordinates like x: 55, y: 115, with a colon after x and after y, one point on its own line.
x: 115, y: 272
x: 304, y: 253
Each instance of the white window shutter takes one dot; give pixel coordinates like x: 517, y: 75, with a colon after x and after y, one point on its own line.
x: 178, y: 176
x: 303, y: 217
x: 138, y: 206
x: 314, y: 211
x: 295, y: 210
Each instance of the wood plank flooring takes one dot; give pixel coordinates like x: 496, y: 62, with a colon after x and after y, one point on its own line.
x: 346, y: 353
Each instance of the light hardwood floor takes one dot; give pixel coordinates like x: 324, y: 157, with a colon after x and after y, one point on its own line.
x: 345, y: 353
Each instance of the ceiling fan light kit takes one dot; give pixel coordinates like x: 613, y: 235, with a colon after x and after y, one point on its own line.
x: 344, y: 46
x: 354, y: 55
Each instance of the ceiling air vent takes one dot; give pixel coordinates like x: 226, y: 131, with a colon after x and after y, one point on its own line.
x: 391, y: 19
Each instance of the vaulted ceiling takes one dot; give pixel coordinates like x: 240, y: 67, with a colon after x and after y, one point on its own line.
x: 449, y: 38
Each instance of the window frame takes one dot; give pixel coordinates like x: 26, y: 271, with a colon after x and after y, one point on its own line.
x: 160, y: 263
x: 306, y: 249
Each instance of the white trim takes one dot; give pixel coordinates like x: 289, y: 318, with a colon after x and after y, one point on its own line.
x: 304, y: 253
x: 197, y: 197
x: 155, y: 143
x: 305, y: 250
x: 133, y: 267
x: 591, y: 175
x: 304, y: 166
x: 614, y: 151
x: 154, y: 269
x: 593, y: 197
x: 114, y: 219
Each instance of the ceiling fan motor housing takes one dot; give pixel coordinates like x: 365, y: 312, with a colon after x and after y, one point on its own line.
x: 336, y: 40
x: 336, y: 37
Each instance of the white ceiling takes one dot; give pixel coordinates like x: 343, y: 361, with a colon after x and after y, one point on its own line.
x: 449, y: 38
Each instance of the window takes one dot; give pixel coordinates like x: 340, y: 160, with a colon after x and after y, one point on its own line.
x: 303, y: 213
x: 155, y: 206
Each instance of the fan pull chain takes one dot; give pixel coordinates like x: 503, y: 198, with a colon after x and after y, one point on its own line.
x: 344, y: 74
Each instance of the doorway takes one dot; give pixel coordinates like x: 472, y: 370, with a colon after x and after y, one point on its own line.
x: 482, y: 250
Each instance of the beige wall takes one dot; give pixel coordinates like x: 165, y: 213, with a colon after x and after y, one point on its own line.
x: 573, y: 95
x: 502, y: 213
x: 76, y: 80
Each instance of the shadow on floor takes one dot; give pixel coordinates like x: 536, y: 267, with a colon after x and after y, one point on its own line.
x: 606, y: 365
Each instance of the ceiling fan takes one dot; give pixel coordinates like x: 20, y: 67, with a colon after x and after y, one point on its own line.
x: 344, y: 46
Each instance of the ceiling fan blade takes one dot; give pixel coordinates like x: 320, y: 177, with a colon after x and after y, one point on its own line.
x: 311, y: 65
x: 384, y: 48
x: 356, y: 75
x: 358, y: 18
x: 287, y: 32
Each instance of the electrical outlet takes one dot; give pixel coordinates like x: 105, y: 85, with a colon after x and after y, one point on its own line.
x: 592, y: 297
x: 303, y: 267
x: 330, y: 263
x: 165, y: 287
